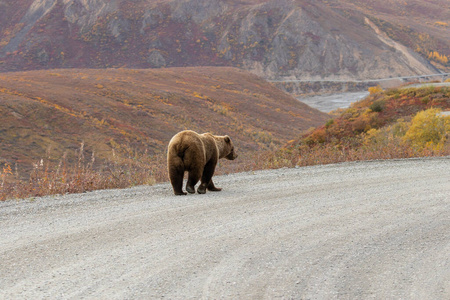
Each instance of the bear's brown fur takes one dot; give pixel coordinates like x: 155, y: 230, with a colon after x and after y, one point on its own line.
x: 197, y: 154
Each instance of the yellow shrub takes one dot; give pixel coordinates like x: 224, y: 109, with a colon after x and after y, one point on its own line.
x: 385, y: 135
x: 375, y: 89
x: 443, y: 24
x: 428, y: 129
x: 375, y: 136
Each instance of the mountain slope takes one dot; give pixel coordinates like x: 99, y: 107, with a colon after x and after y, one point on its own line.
x: 48, y: 113
x: 274, y: 39
x: 422, y: 26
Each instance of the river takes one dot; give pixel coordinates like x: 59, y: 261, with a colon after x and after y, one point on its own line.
x: 330, y: 102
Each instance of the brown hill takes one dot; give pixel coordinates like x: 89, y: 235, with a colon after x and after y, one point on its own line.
x: 305, y: 39
x: 48, y: 113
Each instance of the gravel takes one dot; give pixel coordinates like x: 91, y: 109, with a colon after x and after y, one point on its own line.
x: 330, y: 102
x: 362, y: 230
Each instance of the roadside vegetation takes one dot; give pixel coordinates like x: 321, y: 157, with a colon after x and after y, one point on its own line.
x: 397, y: 123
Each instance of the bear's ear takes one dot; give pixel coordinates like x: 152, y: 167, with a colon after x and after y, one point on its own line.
x: 227, y: 139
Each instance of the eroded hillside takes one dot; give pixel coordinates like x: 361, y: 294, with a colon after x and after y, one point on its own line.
x: 273, y: 39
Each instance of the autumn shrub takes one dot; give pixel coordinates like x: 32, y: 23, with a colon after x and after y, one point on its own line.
x: 263, y: 137
x: 428, y: 129
x: 426, y: 99
x: 375, y: 89
x: 400, y: 128
x: 393, y: 93
x: 387, y: 139
x: 377, y: 106
x: 329, y: 123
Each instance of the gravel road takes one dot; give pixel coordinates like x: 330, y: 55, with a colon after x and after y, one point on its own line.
x: 364, y: 230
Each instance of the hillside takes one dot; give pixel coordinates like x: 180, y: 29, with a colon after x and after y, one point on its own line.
x: 274, y: 39
x: 395, y: 123
x: 380, y: 110
x: 422, y: 26
x: 126, y: 118
x: 49, y: 114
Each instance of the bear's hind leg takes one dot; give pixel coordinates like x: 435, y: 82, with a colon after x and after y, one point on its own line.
x: 193, y: 178
x: 176, y: 174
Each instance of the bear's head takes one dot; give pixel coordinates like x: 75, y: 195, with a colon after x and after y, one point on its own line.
x: 228, y: 149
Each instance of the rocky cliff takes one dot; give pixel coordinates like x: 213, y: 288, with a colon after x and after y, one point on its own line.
x: 272, y: 38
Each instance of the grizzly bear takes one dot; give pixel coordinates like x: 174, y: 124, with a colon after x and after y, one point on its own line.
x: 197, y: 154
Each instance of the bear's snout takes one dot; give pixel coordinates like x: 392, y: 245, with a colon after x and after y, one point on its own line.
x: 231, y: 156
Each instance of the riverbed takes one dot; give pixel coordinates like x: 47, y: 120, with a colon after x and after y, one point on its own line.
x: 330, y: 102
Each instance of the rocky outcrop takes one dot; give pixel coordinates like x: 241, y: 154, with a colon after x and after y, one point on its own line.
x: 85, y: 13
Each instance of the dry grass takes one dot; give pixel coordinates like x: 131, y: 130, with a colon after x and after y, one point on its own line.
x: 48, y: 178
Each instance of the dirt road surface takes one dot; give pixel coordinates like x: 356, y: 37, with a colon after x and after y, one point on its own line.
x: 365, y: 230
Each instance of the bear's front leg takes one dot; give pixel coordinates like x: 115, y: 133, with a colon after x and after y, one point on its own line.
x: 212, y: 187
x: 207, y: 175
